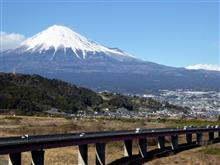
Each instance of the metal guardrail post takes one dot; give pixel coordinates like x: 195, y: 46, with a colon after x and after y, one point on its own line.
x: 100, y: 153
x: 174, y: 142
x: 37, y: 157
x: 199, y: 138
x: 14, y: 159
x: 211, y: 136
x: 142, y: 146
x: 128, y: 148
x: 161, y: 142
x: 83, y: 154
x: 219, y: 133
x: 189, y: 138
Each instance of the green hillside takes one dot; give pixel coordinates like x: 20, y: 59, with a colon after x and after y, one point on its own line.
x: 33, y: 94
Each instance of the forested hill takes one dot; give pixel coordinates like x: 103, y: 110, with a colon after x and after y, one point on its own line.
x: 33, y: 94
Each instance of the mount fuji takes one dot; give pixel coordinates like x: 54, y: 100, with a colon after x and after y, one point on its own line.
x: 59, y: 52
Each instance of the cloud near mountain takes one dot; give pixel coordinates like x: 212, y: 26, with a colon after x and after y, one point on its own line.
x: 204, y: 67
x: 10, y: 40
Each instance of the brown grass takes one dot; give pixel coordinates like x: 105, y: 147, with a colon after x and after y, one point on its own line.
x: 190, y: 157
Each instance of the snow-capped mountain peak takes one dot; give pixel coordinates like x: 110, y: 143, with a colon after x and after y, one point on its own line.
x: 61, y: 37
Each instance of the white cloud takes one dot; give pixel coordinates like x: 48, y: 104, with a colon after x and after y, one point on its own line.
x: 10, y: 40
x: 204, y: 66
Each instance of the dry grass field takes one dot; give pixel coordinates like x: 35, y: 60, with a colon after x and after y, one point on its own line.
x: 20, y: 125
x: 198, y: 156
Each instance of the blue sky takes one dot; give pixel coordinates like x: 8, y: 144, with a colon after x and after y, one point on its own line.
x: 175, y: 33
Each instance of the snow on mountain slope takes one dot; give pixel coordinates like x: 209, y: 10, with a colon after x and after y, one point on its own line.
x: 61, y: 37
x: 58, y: 52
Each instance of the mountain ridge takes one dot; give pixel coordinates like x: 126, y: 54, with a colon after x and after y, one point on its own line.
x: 99, y: 69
